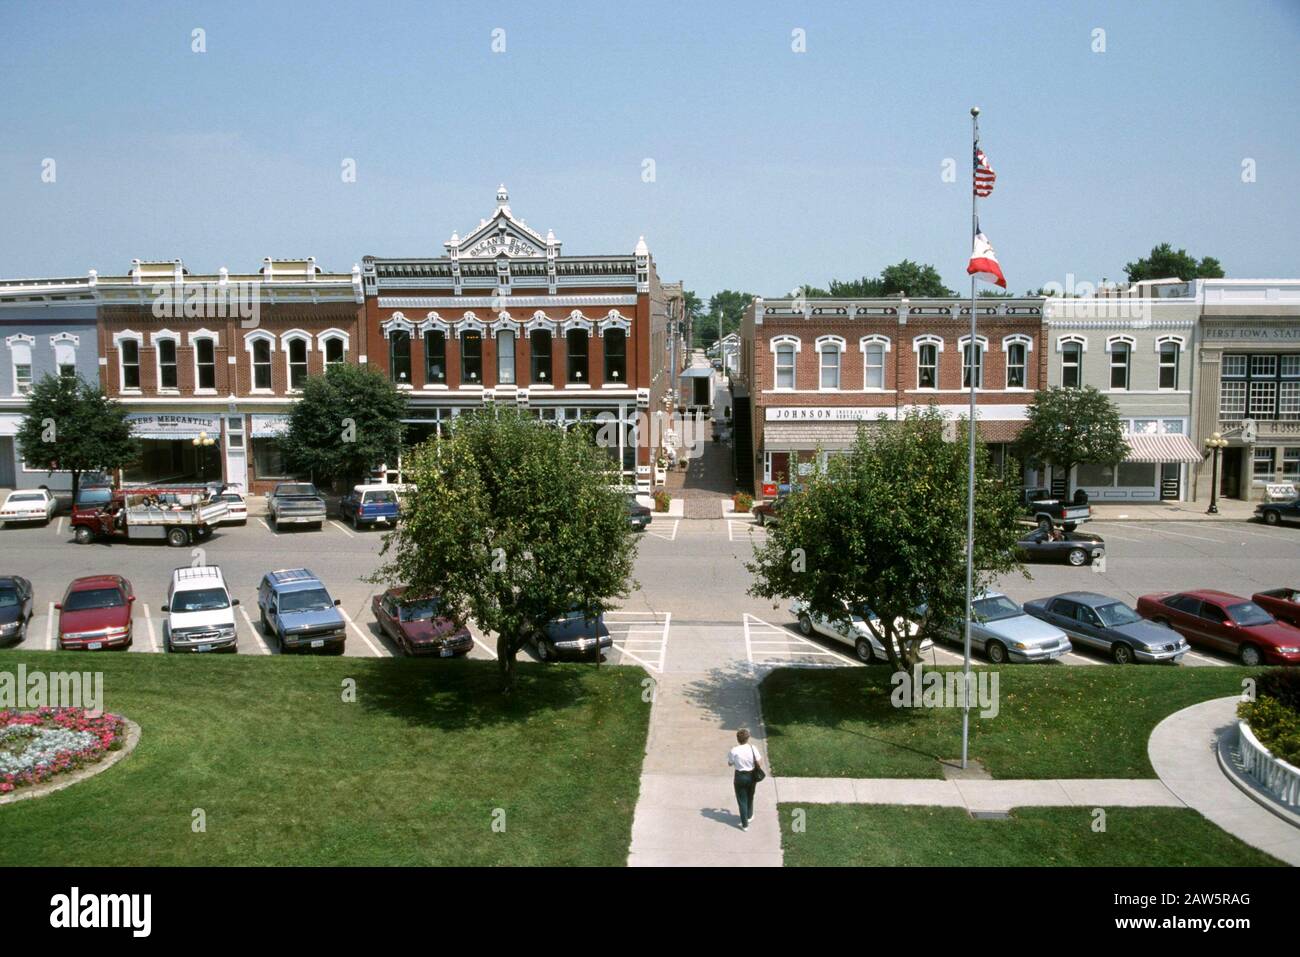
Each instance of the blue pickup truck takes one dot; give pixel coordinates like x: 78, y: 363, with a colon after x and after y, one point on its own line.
x: 370, y: 505
x: 299, y: 613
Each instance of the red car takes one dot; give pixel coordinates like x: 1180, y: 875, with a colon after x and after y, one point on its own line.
x: 96, y: 613
x: 1226, y: 623
x: 417, y: 628
x: 1282, y: 603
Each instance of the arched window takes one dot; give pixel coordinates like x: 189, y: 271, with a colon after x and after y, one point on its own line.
x: 1072, y: 349
x: 784, y: 350
x: 165, y: 351
x: 399, y: 356
x: 927, y: 349
x: 1170, y: 351
x: 539, y: 341
x: 829, y: 351
x: 615, y: 356
x: 576, y: 350
x: 873, y: 361
x: 260, y: 345
x: 1121, y: 355
x: 972, y: 361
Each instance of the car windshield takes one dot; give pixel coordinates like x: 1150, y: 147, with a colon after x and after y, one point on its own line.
x: 309, y: 599
x: 380, y: 498
x: 94, y: 598
x: 1117, y: 614
x: 1248, y: 613
x: 8, y: 597
x: 994, y: 608
x: 200, y: 599
x: 420, y: 610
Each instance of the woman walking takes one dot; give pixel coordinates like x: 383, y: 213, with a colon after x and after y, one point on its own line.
x: 749, y: 771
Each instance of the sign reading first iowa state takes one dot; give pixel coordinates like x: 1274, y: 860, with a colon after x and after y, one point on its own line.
x: 823, y: 413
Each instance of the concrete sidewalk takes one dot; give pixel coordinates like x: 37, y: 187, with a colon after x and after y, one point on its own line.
x: 979, y: 795
x: 1230, y: 510
x: 1184, y: 752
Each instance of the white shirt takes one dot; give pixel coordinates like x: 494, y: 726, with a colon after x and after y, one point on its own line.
x: 741, y: 757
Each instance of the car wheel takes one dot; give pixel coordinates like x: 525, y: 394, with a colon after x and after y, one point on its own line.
x: 864, y: 651
x: 1077, y: 557
x: 83, y: 535
x: 177, y: 537
x: 543, y: 650
x: 996, y: 652
x: 1272, y: 518
x: 1121, y: 653
x: 1250, y: 656
x: 1044, y: 523
x: 805, y: 624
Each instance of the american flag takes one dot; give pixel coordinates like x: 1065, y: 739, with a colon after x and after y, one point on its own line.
x: 984, y: 175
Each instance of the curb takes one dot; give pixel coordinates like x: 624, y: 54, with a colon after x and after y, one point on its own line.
x: 67, y: 780
x: 1223, y: 751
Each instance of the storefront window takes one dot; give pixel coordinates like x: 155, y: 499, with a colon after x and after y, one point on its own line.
x: 1136, y: 474
x: 268, y: 461
x: 540, y: 366
x: 1262, y: 465
x: 1291, y: 463
x: 1146, y: 426
x: 615, y: 357
x: 399, y: 356
x: 577, y: 353
x: 505, y: 357
x: 205, y: 358
x: 471, y: 358
x: 1095, y: 476
x: 435, y: 357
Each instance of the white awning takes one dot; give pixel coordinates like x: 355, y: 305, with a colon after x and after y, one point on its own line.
x: 1155, y: 449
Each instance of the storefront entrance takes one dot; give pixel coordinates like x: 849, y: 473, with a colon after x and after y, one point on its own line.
x: 175, y: 448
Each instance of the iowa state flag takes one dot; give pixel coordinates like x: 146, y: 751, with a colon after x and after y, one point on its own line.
x: 984, y: 261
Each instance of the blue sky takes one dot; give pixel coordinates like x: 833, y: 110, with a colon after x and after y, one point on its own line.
x: 771, y: 167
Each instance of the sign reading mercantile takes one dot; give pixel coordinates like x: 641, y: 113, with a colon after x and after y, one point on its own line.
x: 167, y: 425
x: 824, y: 413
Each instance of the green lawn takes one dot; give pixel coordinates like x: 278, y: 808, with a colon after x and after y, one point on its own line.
x: 286, y: 772
x: 1064, y: 722
x: 857, y: 835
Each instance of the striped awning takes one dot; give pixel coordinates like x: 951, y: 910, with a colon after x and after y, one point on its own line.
x: 1155, y: 449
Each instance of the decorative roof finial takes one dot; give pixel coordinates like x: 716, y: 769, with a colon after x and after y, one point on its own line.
x: 503, y: 195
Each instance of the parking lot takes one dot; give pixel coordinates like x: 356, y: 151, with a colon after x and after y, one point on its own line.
x: 687, y: 571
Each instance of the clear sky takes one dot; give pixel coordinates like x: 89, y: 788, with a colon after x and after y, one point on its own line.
x: 770, y: 167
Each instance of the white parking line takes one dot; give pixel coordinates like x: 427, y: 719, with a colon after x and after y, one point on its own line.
x: 1079, y: 659
x: 49, y: 629
x: 379, y: 652
x: 58, y: 526
x: 262, y: 647
x: 785, y: 639
x: 148, y: 621
x: 750, y: 527
x: 643, y: 637
x: 339, y: 526
x: 667, y: 536
x: 483, y: 644
x: 1208, y: 661
x: 1199, y: 538
x: 266, y: 526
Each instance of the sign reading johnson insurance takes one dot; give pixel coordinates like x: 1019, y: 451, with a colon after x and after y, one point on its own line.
x: 824, y: 413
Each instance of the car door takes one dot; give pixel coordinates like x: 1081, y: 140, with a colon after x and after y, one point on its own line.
x: 388, y: 618
x: 1181, y: 611
x: 1090, y: 630
x: 1218, y: 634
x: 1063, y: 613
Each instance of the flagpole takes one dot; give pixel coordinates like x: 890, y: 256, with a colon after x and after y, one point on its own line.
x: 970, y: 465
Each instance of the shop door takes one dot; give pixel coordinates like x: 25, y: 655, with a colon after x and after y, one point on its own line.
x: 7, y: 462
x: 236, y: 452
x: 1170, y: 483
x: 1230, y: 473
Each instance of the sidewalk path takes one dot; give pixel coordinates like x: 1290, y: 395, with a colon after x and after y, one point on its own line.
x: 1183, y: 752
x: 1230, y: 510
x: 980, y: 795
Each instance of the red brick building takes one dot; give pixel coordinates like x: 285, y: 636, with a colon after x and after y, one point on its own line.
x: 812, y: 370
x: 504, y: 317
x: 219, y: 359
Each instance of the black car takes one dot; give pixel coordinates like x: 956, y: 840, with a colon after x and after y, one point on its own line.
x: 1055, y: 546
x: 1275, y: 513
x: 15, y: 608
x: 1109, y: 625
x: 572, y: 635
x: 638, y: 515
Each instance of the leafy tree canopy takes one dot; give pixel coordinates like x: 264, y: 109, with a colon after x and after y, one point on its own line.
x: 72, y: 426
x: 1166, y: 263
x: 884, y: 528
x: 907, y: 278
x: 730, y: 304
x: 513, y: 522
x: 1069, y: 427
x: 348, y: 421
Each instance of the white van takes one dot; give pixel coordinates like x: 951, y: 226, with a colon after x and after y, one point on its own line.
x: 201, y: 614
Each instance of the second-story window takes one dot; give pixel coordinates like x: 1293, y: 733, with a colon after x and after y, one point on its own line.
x: 399, y: 356
x: 297, y: 363
x: 335, y: 352
x: 1016, y: 365
x: 505, y: 357
x: 577, y: 353
x: 129, y: 351
x: 205, y: 360
x: 261, y: 364
x: 167, y: 378
x: 830, y: 366
x: 927, y: 366
x: 1119, y: 365
x: 1169, y: 365
x: 1071, y: 363
x: 540, y: 343
x: 615, y: 357
x: 471, y: 358
x: 785, y: 365
x: 435, y: 357
x: 972, y: 365
x: 874, y: 359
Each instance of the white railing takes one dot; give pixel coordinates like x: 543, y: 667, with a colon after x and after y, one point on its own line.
x: 1281, y: 780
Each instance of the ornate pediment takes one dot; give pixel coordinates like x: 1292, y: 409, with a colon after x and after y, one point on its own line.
x: 502, y: 235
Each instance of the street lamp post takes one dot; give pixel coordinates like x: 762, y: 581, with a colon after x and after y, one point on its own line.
x: 1213, y: 444
x: 201, y: 442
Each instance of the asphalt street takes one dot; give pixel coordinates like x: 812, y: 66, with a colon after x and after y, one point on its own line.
x: 690, y: 609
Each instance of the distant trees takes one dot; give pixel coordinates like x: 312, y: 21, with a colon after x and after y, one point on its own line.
x: 906, y: 278
x: 1165, y: 263
x: 730, y: 304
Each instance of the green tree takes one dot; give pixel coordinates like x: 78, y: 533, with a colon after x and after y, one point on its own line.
x: 1069, y: 427
x: 884, y: 528
x: 348, y: 421
x: 513, y: 523
x: 864, y: 288
x: 730, y: 305
x: 1166, y: 263
x: 72, y: 426
x: 913, y: 280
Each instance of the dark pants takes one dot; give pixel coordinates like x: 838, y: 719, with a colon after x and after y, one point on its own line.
x: 745, y: 785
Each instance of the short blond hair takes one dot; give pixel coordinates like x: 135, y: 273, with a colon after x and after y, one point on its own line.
x: 742, y: 735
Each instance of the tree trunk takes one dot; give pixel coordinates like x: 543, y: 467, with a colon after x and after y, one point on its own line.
x: 506, y: 651
x: 76, y: 484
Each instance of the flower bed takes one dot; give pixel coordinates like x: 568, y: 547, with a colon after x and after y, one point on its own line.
x: 36, y: 746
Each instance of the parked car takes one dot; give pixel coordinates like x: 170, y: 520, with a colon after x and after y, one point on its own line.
x: 236, y: 506
x: 298, y: 612
x: 1275, y: 513
x: 1225, y: 623
x: 28, y: 505
x: 95, y: 613
x: 638, y: 515
x: 417, y: 627
x: 1048, y: 511
x: 200, y: 611
x: 370, y: 505
x: 1076, y: 548
x: 15, y: 608
x: 572, y: 635
x: 1282, y: 603
x: 295, y: 503
x: 768, y: 512
x: 1003, y: 632
x: 1109, y: 625
x: 856, y: 634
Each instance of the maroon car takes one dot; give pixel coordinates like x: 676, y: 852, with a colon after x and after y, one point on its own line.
x: 417, y: 627
x: 95, y: 613
x: 1226, y: 623
x: 1282, y: 603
